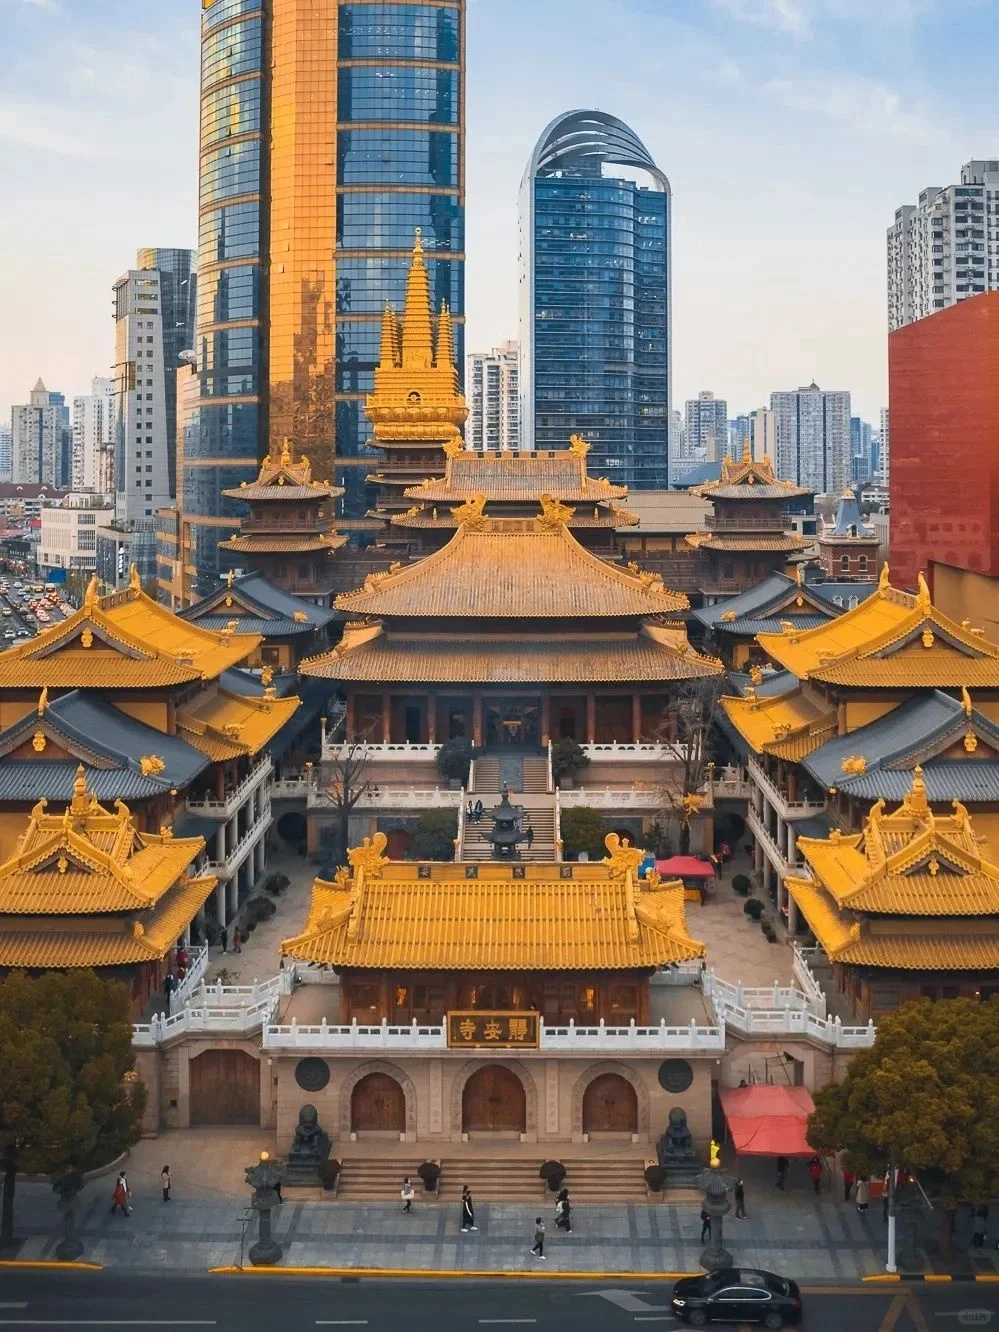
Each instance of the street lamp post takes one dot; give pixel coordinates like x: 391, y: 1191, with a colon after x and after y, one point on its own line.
x: 891, y: 1265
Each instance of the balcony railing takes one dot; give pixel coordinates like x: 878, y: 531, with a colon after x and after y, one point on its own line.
x: 777, y: 856
x: 610, y: 797
x: 235, y: 855
x: 615, y: 751
x: 731, y: 783
x: 225, y: 809
x: 393, y: 797
x: 788, y: 809
x: 402, y: 752
x: 197, y: 965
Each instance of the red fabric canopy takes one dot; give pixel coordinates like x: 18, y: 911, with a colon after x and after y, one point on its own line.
x: 768, y: 1121
x: 685, y: 867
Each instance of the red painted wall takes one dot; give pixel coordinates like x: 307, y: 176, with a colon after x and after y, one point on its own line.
x: 943, y: 395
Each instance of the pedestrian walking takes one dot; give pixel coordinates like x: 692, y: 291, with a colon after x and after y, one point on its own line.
x: 538, y: 1247
x: 168, y: 986
x: 408, y: 1194
x: 705, y: 1225
x: 467, y: 1210
x: 165, y: 1182
x: 223, y: 940
x: 529, y: 834
x: 740, y: 1200
x: 119, y: 1196
x: 563, y: 1212
x: 237, y: 940
x: 782, y: 1165
x: 849, y: 1179
x: 979, y: 1226
x: 863, y: 1194
x: 815, y: 1173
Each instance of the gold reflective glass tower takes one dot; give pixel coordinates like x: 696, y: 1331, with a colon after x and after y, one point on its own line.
x: 330, y: 130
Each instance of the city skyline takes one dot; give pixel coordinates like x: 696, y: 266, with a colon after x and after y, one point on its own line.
x: 844, y: 125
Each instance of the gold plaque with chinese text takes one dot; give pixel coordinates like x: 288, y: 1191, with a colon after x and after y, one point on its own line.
x: 478, y: 1030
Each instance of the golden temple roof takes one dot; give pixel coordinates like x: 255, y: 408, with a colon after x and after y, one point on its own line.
x: 512, y: 568
x: 788, y: 725
x: 263, y: 543
x: 891, y: 639
x: 126, y: 641
x: 387, y: 914
x: 373, y: 654
x: 283, y: 479
x: 416, y: 396
x: 518, y: 476
x: 88, y: 859
x: 711, y: 540
x: 224, y: 726
x: 749, y: 480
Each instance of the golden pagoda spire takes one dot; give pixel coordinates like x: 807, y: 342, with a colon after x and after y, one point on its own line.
x: 417, y: 329
x: 79, y: 803
x: 387, y: 346
x: 747, y: 450
x: 286, y: 452
x: 445, y: 342
x: 915, y: 801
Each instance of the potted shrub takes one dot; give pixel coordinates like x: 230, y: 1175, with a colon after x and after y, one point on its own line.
x: 655, y: 1177
x: 753, y: 908
x: 741, y: 885
x: 568, y: 761
x: 553, y: 1173
x: 328, y: 1173
x: 430, y: 1173
x: 453, y: 761
x: 434, y: 834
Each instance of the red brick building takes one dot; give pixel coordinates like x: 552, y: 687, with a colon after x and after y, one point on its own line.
x: 943, y: 376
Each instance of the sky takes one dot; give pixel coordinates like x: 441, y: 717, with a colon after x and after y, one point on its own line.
x: 790, y: 131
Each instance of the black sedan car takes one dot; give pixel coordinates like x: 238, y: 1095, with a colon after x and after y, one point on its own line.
x: 737, y: 1295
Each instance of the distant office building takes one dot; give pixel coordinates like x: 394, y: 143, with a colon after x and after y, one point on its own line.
x: 706, y: 429
x: 178, y: 310
x: 67, y: 539
x: 812, y: 433
x: 41, y: 440
x: 945, y: 247
x: 884, y: 446
x: 93, y: 437
x: 862, y: 449
x: 677, y: 434
x: 6, y: 452
x: 493, y: 399
x: 329, y: 132
x: 142, y: 458
x: 595, y: 296
x: 756, y: 426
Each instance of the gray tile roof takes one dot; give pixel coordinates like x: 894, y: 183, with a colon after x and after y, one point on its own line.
x: 946, y: 779
x: 247, y: 683
x: 770, y: 624
x: 277, y: 609
x: 25, y: 780
x: 774, y: 683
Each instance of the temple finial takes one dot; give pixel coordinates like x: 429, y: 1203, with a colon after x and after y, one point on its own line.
x: 417, y: 330
x: 387, y: 347
x: 286, y: 452
x: 747, y: 450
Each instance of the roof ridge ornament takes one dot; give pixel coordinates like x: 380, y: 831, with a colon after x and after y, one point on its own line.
x: 883, y: 585
x: 966, y: 700
x: 134, y: 581
x: 471, y: 514
x: 554, y: 514
x: 90, y: 596
x: 578, y: 446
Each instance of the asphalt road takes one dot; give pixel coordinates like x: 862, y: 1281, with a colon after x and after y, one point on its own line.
x: 43, y: 1298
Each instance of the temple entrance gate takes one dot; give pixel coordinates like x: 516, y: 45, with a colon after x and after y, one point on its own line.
x: 610, y: 1105
x: 494, y: 1101
x: 225, y: 1088
x: 378, y: 1105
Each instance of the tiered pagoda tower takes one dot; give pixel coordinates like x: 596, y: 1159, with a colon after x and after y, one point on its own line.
x: 288, y: 536
x: 417, y: 408
x: 746, y: 537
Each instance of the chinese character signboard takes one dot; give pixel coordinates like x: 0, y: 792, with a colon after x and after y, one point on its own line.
x: 483, y: 1031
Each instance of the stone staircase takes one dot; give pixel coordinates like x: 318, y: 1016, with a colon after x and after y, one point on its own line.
x: 596, y: 1181
x: 539, y: 809
x: 375, y: 1179
x: 527, y: 773
x: 492, y: 1181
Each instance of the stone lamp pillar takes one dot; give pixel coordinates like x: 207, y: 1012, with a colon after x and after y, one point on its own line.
x: 265, y: 1180
x: 715, y: 1183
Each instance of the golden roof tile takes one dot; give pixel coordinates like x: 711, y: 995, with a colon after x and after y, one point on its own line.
x: 263, y: 543
x: 790, y: 724
x: 282, y: 478
x: 747, y: 479
x: 512, y: 568
x: 786, y: 541
x: 387, y: 915
x: 654, y: 653
x: 223, y: 725
x: 517, y: 476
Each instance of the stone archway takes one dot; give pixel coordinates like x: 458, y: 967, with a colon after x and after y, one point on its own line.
x: 494, y: 1101
x: 514, y: 1066
x: 363, y: 1071
x: 610, y: 1105
x: 621, y: 1070
x: 378, y: 1105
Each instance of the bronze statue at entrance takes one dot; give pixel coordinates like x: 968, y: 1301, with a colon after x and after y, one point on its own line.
x: 677, y: 1154
x: 310, y: 1149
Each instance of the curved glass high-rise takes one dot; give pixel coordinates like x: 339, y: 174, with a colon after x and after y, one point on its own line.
x: 330, y: 129
x: 595, y: 298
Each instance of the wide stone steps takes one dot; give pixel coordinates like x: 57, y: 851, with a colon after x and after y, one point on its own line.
x: 476, y: 847
x: 492, y: 1181
x: 524, y: 775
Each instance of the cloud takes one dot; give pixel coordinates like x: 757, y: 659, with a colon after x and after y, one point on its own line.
x: 862, y: 105
x: 784, y: 15
x: 800, y: 18
x: 23, y: 123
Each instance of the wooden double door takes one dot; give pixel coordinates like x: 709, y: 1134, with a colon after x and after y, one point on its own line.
x: 378, y: 1105
x: 610, y: 1105
x: 494, y: 1101
x: 224, y: 1088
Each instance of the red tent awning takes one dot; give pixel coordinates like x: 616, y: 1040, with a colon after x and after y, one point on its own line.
x: 685, y: 867
x: 768, y: 1121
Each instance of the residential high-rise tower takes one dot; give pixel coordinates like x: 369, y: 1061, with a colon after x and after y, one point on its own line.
x: 493, y: 399
x: 707, y: 427
x: 330, y: 130
x: 812, y: 429
x: 41, y: 439
x: 595, y: 297
x: 93, y: 425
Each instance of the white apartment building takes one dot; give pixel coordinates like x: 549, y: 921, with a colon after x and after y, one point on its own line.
x: 706, y: 427
x: 142, y: 468
x: 759, y: 427
x: 494, y: 399
x: 945, y: 247
x: 93, y: 437
x: 812, y: 437
x: 6, y: 452
x: 40, y: 438
x: 68, y: 537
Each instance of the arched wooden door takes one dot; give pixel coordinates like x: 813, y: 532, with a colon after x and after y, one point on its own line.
x: 610, y: 1105
x: 378, y: 1105
x: 225, y: 1088
x: 493, y: 1101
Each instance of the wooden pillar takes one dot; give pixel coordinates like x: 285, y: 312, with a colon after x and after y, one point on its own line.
x: 546, y: 716
x: 386, y: 718
x: 220, y: 781
x: 591, y: 719
x: 636, y: 718
x: 350, y: 718
x: 432, y: 719
x: 383, y: 997
x: 792, y: 786
x: 477, y: 721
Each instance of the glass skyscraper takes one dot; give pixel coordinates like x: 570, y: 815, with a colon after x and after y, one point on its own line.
x: 595, y: 299
x: 330, y: 129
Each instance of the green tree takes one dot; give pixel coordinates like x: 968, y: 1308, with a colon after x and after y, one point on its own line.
x: 434, y: 834
x: 65, y: 1053
x: 926, y: 1098
x: 583, y: 829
